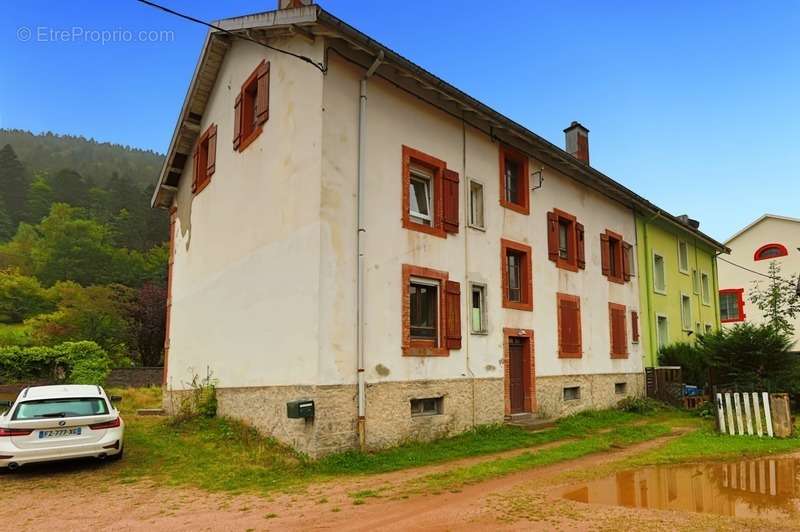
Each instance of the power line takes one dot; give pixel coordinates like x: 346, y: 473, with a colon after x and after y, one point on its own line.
x: 304, y: 58
x: 757, y: 273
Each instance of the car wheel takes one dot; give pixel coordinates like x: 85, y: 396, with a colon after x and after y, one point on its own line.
x: 118, y: 456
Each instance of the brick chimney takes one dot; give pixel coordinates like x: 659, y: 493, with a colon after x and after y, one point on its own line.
x: 578, y: 141
x: 291, y: 4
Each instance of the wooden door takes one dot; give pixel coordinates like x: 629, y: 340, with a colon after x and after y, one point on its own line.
x: 516, y: 351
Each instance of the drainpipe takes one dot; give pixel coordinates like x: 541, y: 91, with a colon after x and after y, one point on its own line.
x: 362, y: 152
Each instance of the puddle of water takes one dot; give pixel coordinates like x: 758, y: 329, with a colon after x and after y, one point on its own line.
x: 765, y: 488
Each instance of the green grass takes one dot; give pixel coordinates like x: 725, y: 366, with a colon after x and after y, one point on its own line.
x: 14, y: 334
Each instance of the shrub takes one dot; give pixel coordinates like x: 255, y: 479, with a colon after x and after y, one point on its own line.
x: 693, y: 362
x: 639, y: 405
x: 70, y: 362
x: 199, y: 400
x: 21, y: 297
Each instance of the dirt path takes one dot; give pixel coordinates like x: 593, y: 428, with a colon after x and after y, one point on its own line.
x: 519, y: 501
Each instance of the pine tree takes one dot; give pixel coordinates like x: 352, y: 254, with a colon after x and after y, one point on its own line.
x: 14, y: 184
x: 6, y: 227
x: 40, y: 198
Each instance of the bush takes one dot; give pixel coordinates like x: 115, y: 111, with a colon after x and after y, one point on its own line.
x: 639, y: 405
x: 693, y: 362
x: 21, y: 297
x: 69, y: 362
x: 200, y: 400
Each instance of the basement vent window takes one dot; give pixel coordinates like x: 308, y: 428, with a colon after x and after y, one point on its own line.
x: 427, y: 407
x: 620, y: 388
x: 572, y: 393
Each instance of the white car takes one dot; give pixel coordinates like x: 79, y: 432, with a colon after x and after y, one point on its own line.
x: 47, y: 423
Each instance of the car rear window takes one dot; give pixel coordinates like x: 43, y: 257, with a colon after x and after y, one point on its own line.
x: 46, y: 408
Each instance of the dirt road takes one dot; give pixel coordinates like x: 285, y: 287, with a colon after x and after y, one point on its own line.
x: 521, y: 501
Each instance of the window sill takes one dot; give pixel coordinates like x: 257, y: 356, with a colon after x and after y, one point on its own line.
x: 564, y: 355
x: 566, y: 264
x: 737, y: 320
x: 245, y: 142
x: 706, y: 304
x: 427, y: 229
x: 425, y: 351
x: 516, y: 207
x: 477, y: 227
x: 480, y: 333
x: 684, y: 272
x: 518, y: 306
x: 619, y: 356
x: 660, y: 292
x: 617, y: 280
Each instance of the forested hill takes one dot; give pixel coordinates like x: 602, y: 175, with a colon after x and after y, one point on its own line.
x: 95, y: 161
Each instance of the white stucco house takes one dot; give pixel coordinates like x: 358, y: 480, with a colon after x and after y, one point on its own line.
x: 352, y: 230
x: 769, y: 238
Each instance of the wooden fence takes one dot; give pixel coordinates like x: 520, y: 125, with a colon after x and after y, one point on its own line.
x: 754, y: 413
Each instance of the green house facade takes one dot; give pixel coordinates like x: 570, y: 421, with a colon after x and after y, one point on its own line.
x: 678, y: 282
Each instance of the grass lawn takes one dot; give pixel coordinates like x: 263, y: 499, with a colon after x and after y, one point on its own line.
x: 224, y: 455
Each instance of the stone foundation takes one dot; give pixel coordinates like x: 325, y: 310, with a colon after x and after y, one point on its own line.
x: 389, y: 422
x: 596, y: 391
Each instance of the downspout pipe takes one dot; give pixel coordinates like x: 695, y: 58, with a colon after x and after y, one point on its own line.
x: 360, y: 230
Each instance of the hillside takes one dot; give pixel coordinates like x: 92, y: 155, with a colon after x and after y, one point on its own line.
x: 95, y: 161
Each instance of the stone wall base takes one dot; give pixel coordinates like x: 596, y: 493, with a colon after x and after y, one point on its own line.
x: 465, y: 403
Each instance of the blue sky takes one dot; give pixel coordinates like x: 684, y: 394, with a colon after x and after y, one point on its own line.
x: 694, y: 105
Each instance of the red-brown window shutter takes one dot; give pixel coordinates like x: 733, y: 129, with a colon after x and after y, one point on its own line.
x: 626, y: 260
x: 453, y: 315
x: 237, y: 122
x: 581, y: 245
x: 569, y: 327
x: 634, y: 326
x: 195, y: 167
x: 605, y: 254
x: 450, y: 196
x: 262, y: 94
x: 619, y: 333
x: 211, y: 161
x: 552, y: 236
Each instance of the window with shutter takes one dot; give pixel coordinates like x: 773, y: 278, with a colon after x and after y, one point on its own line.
x: 565, y: 245
x: 430, y: 194
x: 251, y: 108
x: 570, y: 344
x: 431, y: 316
x: 514, y: 192
x: 618, y: 330
x: 205, y: 159
x: 515, y: 259
x: 634, y: 327
x: 612, y: 255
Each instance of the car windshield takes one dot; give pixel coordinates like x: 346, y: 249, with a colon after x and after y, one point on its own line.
x: 47, y: 408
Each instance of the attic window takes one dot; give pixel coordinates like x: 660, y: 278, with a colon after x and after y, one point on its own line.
x: 205, y: 157
x: 514, y: 192
x: 770, y: 251
x: 251, y: 109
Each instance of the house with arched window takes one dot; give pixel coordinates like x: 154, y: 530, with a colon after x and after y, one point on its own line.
x: 769, y: 238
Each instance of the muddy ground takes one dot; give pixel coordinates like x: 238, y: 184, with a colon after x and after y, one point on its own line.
x: 75, y: 499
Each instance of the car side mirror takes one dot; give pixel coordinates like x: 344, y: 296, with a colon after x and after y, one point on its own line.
x: 115, y: 398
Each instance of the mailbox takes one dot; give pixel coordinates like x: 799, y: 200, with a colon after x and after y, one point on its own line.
x: 300, y: 409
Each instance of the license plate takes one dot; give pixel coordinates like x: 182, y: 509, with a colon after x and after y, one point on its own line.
x: 58, y: 433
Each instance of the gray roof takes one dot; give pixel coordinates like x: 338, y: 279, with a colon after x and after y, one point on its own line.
x: 358, y: 48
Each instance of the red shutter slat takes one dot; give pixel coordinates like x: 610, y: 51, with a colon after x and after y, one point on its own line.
x: 452, y: 315
x: 552, y: 236
x: 626, y: 261
x: 237, y: 122
x: 450, y: 196
x: 211, y: 160
x: 619, y: 333
x: 262, y: 94
x: 581, y: 245
x: 634, y: 326
x: 569, y: 337
x: 605, y: 254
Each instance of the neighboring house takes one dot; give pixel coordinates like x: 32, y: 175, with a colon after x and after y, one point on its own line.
x: 770, y: 238
x: 377, y: 241
x: 678, y: 282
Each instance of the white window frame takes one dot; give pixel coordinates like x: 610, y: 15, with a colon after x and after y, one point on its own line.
x: 471, y: 223
x: 484, y: 325
x: 708, y: 328
x: 420, y: 175
x: 705, y: 295
x: 659, y: 343
x: 684, y: 317
x: 681, y: 268
x: 434, y: 283
x: 656, y: 289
